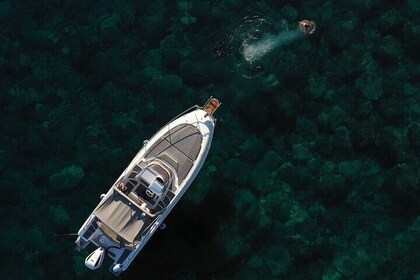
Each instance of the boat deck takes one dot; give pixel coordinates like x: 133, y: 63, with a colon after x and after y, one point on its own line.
x: 120, y: 218
x: 179, y: 147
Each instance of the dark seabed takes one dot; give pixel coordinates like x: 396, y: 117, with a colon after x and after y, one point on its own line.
x: 314, y: 168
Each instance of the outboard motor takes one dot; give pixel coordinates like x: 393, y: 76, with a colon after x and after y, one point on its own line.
x: 95, y: 259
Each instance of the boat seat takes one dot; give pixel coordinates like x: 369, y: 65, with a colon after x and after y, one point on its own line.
x: 156, y: 187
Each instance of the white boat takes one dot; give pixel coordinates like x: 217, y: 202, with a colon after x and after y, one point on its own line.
x: 140, y: 199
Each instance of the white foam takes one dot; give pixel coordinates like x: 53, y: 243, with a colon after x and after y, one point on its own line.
x: 255, y: 51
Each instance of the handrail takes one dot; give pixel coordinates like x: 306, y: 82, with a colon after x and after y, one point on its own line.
x: 183, y: 113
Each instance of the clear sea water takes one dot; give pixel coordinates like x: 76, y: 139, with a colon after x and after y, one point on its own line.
x: 314, y: 168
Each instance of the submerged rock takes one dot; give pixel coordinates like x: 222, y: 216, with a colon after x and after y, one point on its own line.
x: 67, y: 178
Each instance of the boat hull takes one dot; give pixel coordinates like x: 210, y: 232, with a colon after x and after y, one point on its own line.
x: 123, y: 257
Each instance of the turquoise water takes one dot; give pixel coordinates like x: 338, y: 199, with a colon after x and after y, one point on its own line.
x: 314, y: 168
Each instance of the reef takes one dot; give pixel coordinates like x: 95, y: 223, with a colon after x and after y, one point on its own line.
x: 314, y: 171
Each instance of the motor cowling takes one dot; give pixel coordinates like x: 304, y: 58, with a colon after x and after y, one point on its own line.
x: 95, y: 259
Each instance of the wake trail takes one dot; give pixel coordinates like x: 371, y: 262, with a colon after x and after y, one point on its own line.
x: 255, y: 51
